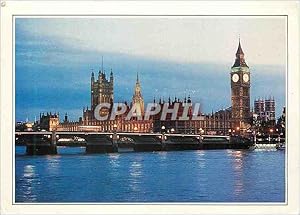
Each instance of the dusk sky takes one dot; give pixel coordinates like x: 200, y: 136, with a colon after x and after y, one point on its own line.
x: 174, y: 56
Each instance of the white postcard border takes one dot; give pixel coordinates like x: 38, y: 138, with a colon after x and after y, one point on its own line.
x: 9, y: 9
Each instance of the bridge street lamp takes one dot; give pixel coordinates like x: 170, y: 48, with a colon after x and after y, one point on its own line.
x: 271, y: 132
x: 163, y: 130
x: 233, y: 132
x: 238, y: 130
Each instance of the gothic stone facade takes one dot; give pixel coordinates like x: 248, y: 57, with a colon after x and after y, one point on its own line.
x: 225, y: 121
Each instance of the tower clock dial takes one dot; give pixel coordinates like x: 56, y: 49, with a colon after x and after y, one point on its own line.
x: 235, y: 78
x: 245, y: 77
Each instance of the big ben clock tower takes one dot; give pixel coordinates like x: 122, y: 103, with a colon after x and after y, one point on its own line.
x: 240, y: 92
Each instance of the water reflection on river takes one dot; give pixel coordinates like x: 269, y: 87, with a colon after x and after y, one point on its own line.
x: 181, y: 176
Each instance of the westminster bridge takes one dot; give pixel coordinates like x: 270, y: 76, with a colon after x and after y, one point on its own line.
x: 42, y: 143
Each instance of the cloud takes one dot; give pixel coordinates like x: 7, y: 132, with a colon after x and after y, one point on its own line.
x: 179, y: 39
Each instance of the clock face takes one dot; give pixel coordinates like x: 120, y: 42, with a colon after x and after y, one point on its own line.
x: 246, y: 77
x: 235, y: 78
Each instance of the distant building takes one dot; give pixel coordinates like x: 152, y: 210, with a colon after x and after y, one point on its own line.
x: 25, y: 126
x: 280, y: 125
x: 265, y: 110
x: 49, y: 122
x: 270, y: 109
x: 259, y: 108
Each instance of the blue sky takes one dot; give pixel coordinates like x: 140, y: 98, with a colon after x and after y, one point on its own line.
x: 174, y: 57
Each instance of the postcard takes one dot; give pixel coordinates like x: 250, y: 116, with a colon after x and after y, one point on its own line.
x: 149, y: 107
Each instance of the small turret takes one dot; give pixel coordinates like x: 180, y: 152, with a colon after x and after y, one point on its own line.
x: 111, y: 76
x: 92, y: 77
x: 100, y: 76
x: 189, y: 99
x: 66, y: 117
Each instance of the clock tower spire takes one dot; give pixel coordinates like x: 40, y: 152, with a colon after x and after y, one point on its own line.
x: 239, y: 57
x: 240, y: 92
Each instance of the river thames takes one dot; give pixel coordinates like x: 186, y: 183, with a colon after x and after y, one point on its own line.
x: 178, y: 176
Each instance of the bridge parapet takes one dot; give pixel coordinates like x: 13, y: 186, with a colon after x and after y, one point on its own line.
x: 99, y: 142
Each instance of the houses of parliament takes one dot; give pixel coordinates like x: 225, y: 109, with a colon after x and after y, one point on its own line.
x: 236, y: 118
